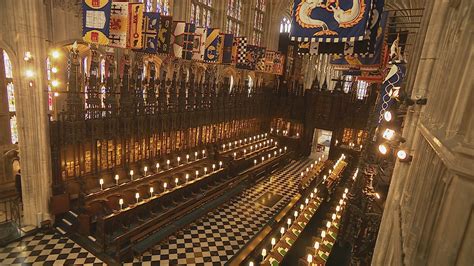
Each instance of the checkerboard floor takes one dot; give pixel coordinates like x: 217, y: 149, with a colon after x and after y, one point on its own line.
x: 215, y: 238
x: 46, y: 249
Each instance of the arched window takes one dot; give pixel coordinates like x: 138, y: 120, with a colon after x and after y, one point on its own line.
x: 258, y: 22
x: 347, y: 84
x: 234, y: 22
x: 362, y: 89
x: 163, y: 7
x: 8, y: 70
x: 201, y: 12
x: 285, y: 25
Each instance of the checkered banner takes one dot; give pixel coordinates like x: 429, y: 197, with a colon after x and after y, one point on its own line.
x: 118, y: 25
x: 239, y: 49
x: 199, y: 45
x: 330, y: 20
x: 96, y: 21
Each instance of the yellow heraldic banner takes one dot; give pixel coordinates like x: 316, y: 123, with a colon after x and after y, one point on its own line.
x: 135, y: 25
x: 96, y: 21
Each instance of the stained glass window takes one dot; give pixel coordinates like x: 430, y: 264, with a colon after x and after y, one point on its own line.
x: 258, y: 22
x: 102, y: 70
x: 14, y: 129
x: 347, y: 83
x: 362, y: 89
x: 148, y: 5
x: 285, y: 25
x: 8, y: 66
x: 234, y: 22
x: 11, y: 97
x: 163, y: 7
x: 201, y: 12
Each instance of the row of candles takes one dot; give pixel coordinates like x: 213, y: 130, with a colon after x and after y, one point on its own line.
x: 329, y: 224
x: 275, y: 153
x: 289, y: 222
x: 255, y: 147
x: 168, y: 163
x: 338, y: 162
x: 284, y: 132
x: 176, y: 180
x: 303, y: 173
x: 243, y: 141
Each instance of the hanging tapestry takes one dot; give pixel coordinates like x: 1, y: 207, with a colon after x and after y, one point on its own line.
x: 118, y: 25
x: 260, y: 59
x: 391, y: 87
x: 330, y: 20
x: 177, y: 38
x: 150, y: 32
x: 241, y: 51
x: 278, y: 63
x: 211, y: 54
x: 371, y: 62
x: 228, y: 40
x: 189, y: 30
x: 164, y: 34
x: 96, y: 21
x: 199, y: 45
x: 135, y: 25
x: 269, y: 57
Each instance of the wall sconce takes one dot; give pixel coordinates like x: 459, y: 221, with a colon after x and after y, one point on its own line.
x: 403, y: 156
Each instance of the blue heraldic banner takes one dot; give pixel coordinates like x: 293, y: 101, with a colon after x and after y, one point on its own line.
x: 253, y: 55
x: 227, y: 51
x: 330, y: 20
x: 150, y: 30
x: 164, y: 34
x: 371, y: 62
x: 96, y: 21
x: 213, y: 39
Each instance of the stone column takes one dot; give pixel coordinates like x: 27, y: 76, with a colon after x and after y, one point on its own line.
x: 24, y: 29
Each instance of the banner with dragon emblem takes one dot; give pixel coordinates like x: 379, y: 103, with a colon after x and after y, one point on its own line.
x: 177, y: 38
x: 371, y: 62
x: 330, y: 20
x: 188, y: 41
x: 164, y: 34
x: 199, y: 46
x: 211, y: 54
x: 150, y: 32
x: 118, y: 25
x: 135, y: 16
x: 96, y: 21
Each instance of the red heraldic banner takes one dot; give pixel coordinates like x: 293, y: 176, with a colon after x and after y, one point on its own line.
x: 118, y: 25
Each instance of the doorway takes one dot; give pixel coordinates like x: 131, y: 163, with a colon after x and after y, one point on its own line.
x: 321, y: 143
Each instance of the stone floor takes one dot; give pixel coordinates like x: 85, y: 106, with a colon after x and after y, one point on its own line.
x: 212, y: 240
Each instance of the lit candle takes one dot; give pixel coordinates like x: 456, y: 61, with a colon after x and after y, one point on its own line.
x: 197, y: 173
x: 295, y: 214
x: 145, y: 169
x: 176, y: 180
x: 157, y: 166
x: 288, y: 222
x: 179, y: 159
x: 223, y: 147
x: 235, y: 155
x: 203, y: 153
x: 151, y: 191
x: 245, y: 151
x: 195, y: 155
x: 285, y: 148
x: 280, y: 150
x: 276, y: 143
x: 251, y: 263
x: 324, y: 177
x: 275, y: 153
x: 230, y: 145
x: 311, y: 195
x: 323, y: 234
x: 316, y: 245
x: 205, y: 170
x: 164, y: 186
x: 269, y: 155
x: 254, y: 162
x: 328, y: 225
x: 213, y: 167
x: 101, y: 182
x: 235, y: 143
x: 131, y: 174
x: 187, y: 158
x: 240, y: 142
x: 341, y: 202
x: 344, y: 196
x: 338, y: 208
x: 309, y: 258
x: 282, y: 230
x: 263, y: 158
x: 187, y: 177
x: 264, y: 253
x: 220, y: 164
x: 301, y: 207
x: 346, y: 190
x: 271, y: 130
x: 312, y: 165
x: 168, y: 163
x: 315, y: 190
x: 117, y: 179
x: 273, y: 242
x: 306, y: 201
x: 137, y: 196
x: 121, y: 203
x: 333, y: 217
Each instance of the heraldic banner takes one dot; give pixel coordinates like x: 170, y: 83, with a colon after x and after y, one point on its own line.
x: 199, y: 45
x: 96, y: 21
x: 330, y: 20
x: 135, y: 11
x: 118, y: 25
x: 212, y: 45
x: 150, y: 32
x: 164, y: 34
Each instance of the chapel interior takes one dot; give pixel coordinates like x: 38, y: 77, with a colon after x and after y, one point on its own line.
x: 236, y: 132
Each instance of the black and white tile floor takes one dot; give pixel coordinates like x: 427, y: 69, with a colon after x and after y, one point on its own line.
x: 46, y: 249
x: 212, y: 240
x: 215, y: 238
